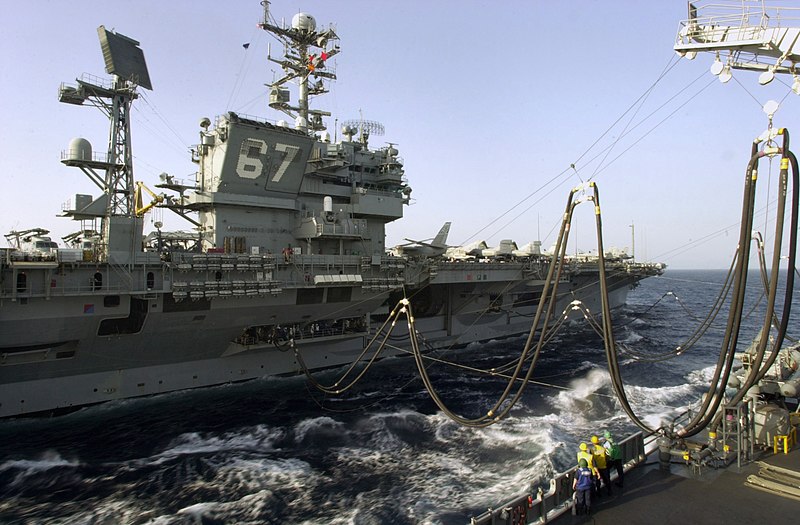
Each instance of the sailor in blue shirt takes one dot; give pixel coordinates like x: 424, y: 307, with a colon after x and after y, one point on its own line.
x: 582, y: 483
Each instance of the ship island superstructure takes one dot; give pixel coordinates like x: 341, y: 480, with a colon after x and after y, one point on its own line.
x: 286, y: 251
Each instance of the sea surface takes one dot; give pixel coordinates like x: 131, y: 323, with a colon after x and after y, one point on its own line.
x: 278, y: 451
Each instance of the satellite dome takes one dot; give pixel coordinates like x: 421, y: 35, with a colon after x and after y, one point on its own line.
x: 79, y: 149
x: 304, y: 22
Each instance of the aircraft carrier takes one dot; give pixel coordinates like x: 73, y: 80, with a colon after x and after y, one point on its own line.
x: 284, y: 253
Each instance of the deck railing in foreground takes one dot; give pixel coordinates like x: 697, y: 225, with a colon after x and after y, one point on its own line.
x: 542, y: 506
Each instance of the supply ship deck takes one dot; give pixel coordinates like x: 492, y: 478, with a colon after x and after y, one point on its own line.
x: 681, y: 495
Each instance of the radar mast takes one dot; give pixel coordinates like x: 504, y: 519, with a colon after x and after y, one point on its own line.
x: 306, y: 51
x: 124, y: 60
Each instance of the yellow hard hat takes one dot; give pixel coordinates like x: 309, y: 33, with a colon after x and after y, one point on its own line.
x: 595, y: 440
x: 584, y: 447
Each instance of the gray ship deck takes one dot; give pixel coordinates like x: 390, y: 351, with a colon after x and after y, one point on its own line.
x: 715, y: 496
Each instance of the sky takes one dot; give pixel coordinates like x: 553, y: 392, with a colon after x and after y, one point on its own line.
x: 490, y: 103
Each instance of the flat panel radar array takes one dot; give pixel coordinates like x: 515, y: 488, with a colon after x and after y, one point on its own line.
x: 124, y: 58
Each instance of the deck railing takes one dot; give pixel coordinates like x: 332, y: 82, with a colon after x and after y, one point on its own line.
x: 539, y: 506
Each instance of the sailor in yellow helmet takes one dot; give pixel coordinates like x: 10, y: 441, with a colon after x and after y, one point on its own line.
x: 600, y: 465
x: 585, y: 453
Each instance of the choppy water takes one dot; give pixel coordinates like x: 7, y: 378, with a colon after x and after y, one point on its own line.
x: 275, y: 451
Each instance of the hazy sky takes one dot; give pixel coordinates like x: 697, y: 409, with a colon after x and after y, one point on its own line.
x: 487, y: 101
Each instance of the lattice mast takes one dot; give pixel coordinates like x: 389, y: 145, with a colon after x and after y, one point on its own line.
x: 124, y: 60
x: 306, y: 52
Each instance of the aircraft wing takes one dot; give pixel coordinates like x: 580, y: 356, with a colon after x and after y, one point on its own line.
x: 412, y: 242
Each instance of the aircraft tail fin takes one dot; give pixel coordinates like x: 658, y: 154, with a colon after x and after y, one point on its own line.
x: 441, y: 238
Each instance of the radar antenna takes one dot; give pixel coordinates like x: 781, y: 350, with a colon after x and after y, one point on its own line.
x: 365, y: 128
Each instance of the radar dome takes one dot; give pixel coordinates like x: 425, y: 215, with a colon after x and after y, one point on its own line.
x: 79, y: 149
x: 304, y: 22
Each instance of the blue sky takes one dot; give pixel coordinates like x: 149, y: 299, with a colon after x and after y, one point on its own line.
x: 487, y: 101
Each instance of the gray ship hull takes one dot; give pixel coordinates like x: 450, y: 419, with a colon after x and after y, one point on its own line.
x: 60, y: 362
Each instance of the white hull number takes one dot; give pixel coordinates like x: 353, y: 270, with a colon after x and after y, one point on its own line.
x: 250, y: 164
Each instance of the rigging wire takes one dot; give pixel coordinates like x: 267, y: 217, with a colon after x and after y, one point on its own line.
x: 244, y: 65
x: 600, y: 170
x: 666, y: 70
x: 760, y: 105
x: 670, y: 65
x: 652, y: 129
x: 163, y: 120
x: 692, y: 244
x: 639, y: 106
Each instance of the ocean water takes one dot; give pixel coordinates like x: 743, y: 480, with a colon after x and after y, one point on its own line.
x: 277, y: 451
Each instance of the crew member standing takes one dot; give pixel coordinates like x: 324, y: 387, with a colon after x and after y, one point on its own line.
x: 582, y: 483
x: 614, y: 458
x: 600, y: 466
x: 585, y: 453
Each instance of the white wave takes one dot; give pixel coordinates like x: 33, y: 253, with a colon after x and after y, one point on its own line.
x: 48, y: 460
x: 317, y: 424
x: 488, y: 490
x: 702, y: 376
x: 523, y: 434
x: 435, y: 480
x: 118, y: 508
x: 255, y: 479
x: 250, y: 509
x: 588, y: 399
x: 260, y: 438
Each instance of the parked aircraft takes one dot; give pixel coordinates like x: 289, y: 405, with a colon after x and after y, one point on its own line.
x: 434, y: 248
x: 532, y: 248
x: 504, y: 249
x: 467, y: 251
